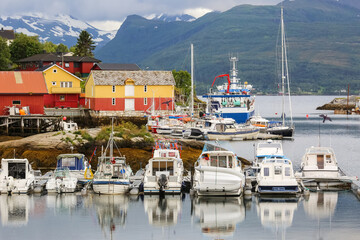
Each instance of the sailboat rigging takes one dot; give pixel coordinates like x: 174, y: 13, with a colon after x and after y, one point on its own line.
x: 281, y: 128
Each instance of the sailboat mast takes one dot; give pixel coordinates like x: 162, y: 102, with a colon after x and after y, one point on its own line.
x: 282, y: 66
x: 192, y: 81
x: 112, y: 139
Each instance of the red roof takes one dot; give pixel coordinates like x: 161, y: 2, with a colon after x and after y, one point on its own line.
x: 22, y: 82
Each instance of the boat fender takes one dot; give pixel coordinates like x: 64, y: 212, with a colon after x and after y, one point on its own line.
x: 86, y: 174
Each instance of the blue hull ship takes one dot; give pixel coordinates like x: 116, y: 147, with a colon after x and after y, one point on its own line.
x: 231, y: 99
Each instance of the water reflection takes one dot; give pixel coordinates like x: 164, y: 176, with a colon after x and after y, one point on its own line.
x: 277, y: 213
x: 14, y: 210
x: 162, y: 211
x: 321, y: 204
x: 111, y: 211
x: 219, y: 216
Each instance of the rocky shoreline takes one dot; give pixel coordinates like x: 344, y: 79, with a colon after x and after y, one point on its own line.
x: 340, y: 104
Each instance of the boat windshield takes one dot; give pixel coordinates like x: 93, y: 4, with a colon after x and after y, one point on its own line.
x: 17, y: 170
x: 163, y: 166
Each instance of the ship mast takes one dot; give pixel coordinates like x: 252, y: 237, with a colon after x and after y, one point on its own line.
x: 192, y: 81
x: 282, y: 66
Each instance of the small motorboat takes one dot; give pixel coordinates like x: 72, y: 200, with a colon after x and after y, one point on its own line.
x: 16, y: 177
x: 164, y: 171
x: 218, y: 172
x: 276, y: 176
x: 319, y: 169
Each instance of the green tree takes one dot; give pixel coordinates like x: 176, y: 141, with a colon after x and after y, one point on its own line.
x: 24, y: 46
x: 72, y: 49
x: 49, y: 47
x: 183, y: 81
x: 62, y: 48
x: 85, y: 45
x: 4, y: 55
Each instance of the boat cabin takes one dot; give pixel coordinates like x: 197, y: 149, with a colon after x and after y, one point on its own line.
x: 319, y: 158
x: 269, y: 149
x: 73, y: 162
x: 16, y: 168
x: 277, y: 169
x: 115, y: 167
x: 222, y: 159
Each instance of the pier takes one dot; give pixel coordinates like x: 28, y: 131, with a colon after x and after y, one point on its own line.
x: 28, y: 125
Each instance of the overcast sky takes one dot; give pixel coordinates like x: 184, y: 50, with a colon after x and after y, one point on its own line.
x: 111, y: 13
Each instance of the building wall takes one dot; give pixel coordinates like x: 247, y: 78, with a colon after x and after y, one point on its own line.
x: 34, y: 102
x: 61, y: 76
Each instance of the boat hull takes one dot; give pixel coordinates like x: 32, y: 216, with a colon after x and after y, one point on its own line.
x: 239, y: 117
x: 285, y: 132
x: 228, y: 136
x: 278, y: 189
x: 110, y: 187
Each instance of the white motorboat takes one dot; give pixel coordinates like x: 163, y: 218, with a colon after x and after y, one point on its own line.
x: 259, y: 122
x: 319, y: 168
x: 16, y: 176
x: 113, y: 174
x: 219, y: 216
x: 229, y: 131
x: 218, y: 172
x: 276, y: 176
x: 268, y: 149
x: 41, y: 180
x: 164, y: 172
x: 70, y: 173
x: 61, y: 182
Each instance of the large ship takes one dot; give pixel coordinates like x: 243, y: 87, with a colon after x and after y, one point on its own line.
x: 231, y: 99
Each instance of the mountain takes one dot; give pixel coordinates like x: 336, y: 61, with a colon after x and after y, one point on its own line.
x: 172, y: 18
x: 59, y: 29
x: 323, y: 45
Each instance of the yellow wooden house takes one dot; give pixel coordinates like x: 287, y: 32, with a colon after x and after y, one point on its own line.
x: 64, y: 88
x: 139, y: 91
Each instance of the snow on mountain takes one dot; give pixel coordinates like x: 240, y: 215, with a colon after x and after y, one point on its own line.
x: 173, y: 18
x: 57, y: 29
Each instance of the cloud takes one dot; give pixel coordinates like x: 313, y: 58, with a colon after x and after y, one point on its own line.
x: 106, y: 25
x: 197, y: 12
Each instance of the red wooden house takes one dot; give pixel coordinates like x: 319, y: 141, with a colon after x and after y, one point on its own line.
x: 72, y: 64
x: 22, y: 89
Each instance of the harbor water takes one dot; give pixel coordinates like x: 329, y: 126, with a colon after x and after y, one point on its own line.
x: 322, y: 215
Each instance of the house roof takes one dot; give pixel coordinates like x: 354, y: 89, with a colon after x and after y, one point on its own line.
x: 47, y: 67
x: 23, y: 82
x: 117, y: 66
x: 7, y: 34
x: 54, y: 57
x: 102, y: 77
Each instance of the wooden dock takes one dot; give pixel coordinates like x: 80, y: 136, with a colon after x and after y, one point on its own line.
x: 28, y: 124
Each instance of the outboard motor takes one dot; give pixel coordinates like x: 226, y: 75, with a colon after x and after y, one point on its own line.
x: 162, y: 181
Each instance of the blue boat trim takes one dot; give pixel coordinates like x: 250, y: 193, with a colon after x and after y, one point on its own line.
x: 110, y: 182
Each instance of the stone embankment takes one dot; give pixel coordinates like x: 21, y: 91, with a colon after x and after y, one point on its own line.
x: 340, y: 104
x: 42, y: 149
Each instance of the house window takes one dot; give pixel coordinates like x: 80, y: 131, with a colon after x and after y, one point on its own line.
x: 113, y: 89
x: 55, y: 70
x: 145, y: 88
x: 66, y: 84
x: 113, y: 101
x: 67, y: 65
x: 16, y: 102
x: 53, y: 83
x: 76, y: 64
x: 145, y: 101
x: 62, y: 97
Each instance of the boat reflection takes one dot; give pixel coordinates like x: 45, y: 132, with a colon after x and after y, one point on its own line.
x: 111, y: 211
x: 162, y: 211
x: 66, y: 203
x: 321, y: 205
x: 14, y: 210
x: 277, y: 213
x: 218, y: 216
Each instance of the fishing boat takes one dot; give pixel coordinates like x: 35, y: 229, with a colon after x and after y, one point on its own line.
x: 319, y: 169
x: 276, y: 176
x: 230, y: 131
x: 218, y: 172
x: 16, y: 177
x: 113, y: 174
x: 70, y: 173
x: 164, y: 172
x: 231, y: 99
x: 282, y: 128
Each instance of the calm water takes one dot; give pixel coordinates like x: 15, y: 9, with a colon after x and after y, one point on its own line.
x: 323, y: 215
